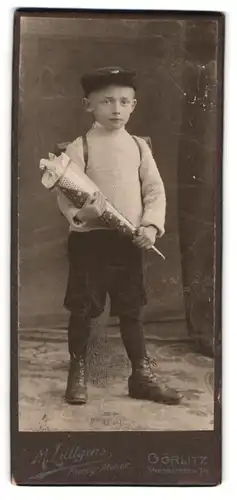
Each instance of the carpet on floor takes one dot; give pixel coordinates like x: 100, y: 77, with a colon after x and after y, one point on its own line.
x: 43, y: 364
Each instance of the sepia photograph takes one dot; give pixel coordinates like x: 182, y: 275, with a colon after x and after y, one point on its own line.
x: 117, y: 157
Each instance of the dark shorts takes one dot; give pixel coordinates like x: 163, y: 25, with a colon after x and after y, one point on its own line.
x: 102, y: 262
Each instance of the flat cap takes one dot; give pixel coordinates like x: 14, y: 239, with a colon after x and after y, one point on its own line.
x: 102, y: 77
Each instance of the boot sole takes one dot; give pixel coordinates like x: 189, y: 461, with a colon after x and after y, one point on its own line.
x: 147, y: 396
x: 75, y: 402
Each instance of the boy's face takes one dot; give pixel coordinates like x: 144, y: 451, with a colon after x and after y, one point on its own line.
x: 111, y: 106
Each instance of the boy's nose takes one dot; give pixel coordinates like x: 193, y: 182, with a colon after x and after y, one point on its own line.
x: 116, y: 108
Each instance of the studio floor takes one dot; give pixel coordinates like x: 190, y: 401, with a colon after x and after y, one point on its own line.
x: 43, y: 363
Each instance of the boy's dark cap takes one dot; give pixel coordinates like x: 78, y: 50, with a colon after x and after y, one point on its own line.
x: 102, y: 77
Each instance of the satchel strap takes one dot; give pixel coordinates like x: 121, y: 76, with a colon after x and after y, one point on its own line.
x: 85, y: 150
x: 139, y: 146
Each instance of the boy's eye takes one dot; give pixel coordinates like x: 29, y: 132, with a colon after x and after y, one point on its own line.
x: 124, y: 102
x: 106, y: 101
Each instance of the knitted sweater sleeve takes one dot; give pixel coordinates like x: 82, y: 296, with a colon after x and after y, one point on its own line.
x: 153, y: 192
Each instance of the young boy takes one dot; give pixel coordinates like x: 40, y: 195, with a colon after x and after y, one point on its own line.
x: 101, y: 260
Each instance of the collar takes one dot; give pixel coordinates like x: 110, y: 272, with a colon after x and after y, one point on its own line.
x: 97, y: 125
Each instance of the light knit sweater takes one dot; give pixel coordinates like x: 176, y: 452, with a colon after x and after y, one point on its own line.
x: 131, y: 183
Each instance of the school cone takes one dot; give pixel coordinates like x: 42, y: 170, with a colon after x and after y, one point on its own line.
x: 60, y: 172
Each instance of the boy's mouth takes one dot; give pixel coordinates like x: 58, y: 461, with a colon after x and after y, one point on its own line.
x: 116, y: 119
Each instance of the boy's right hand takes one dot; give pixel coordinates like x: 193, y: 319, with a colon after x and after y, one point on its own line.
x: 93, y: 208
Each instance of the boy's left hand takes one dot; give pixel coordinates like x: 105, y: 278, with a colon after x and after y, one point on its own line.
x: 145, y: 237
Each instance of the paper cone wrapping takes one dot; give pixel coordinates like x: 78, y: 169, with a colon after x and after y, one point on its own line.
x: 64, y: 174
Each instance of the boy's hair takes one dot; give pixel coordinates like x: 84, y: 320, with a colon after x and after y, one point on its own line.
x: 103, y: 77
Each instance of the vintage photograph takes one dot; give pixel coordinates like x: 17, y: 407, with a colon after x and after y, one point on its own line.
x: 119, y: 161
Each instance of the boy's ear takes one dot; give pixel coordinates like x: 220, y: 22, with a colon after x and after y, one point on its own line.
x: 87, y: 105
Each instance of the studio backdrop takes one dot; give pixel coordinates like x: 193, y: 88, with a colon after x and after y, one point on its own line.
x: 167, y: 56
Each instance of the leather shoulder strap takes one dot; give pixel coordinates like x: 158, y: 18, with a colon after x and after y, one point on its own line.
x: 138, y: 145
x: 146, y: 139
x: 85, y: 150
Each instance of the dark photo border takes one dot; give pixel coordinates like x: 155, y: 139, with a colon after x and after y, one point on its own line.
x: 114, y: 458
